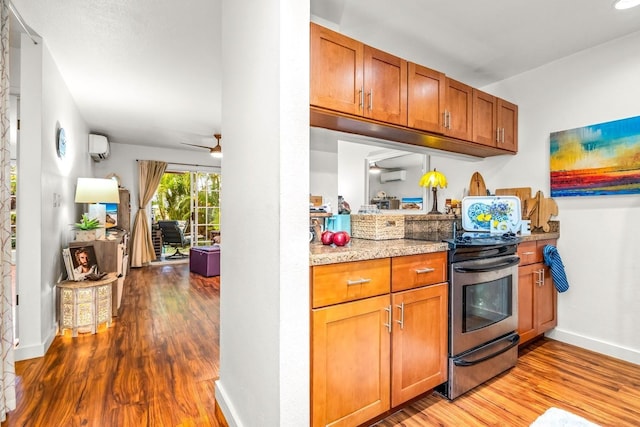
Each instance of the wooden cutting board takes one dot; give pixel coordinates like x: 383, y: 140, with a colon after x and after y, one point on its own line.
x: 523, y: 193
x: 477, y: 186
x: 540, y: 209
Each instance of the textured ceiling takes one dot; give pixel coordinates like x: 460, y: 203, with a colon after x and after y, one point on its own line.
x: 148, y: 71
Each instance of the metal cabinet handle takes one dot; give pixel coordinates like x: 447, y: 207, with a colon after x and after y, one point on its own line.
x: 388, y: 324
x: 528, y: 253
x: 357, y: 281
x: 370, y: 99
x: 503, y: 135
x: 425, y: 270
x: 498, y: 135
x: 542, y: 277
x: 401, y: 321
x: 361, y: 91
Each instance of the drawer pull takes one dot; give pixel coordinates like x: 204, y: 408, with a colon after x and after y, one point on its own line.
x: 425, y: 270
x: 528, y: 253
x: 357, y: 282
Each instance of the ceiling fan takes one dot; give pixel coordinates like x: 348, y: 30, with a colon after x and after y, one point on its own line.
x: 214, y: 151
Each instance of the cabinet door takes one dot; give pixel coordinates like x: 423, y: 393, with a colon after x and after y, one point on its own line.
x: 336, y: 78
x: 527, y: 286
x: 507, y: 118
x: 484, y: 118
x: 385, y: 83
x: 419, y: 341
x: 350, y: 362
x: 426, y: 98
x: 459, y: 109
x: 546, y: 302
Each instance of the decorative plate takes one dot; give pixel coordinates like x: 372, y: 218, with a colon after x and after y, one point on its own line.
x: 496, y: 214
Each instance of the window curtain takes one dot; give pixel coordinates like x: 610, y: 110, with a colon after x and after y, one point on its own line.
x: 149, y: 174
x: 7, y: 367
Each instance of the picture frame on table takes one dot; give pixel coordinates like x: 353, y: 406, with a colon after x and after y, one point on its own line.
x: 81, y: 263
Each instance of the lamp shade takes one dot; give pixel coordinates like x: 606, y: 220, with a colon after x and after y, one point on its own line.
x: 97, y: 190
x: 433, y: 179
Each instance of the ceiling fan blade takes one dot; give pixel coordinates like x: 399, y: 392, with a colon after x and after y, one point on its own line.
x: 199, y: 146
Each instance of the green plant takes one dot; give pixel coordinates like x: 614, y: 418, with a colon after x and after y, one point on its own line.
x: 87, y: 223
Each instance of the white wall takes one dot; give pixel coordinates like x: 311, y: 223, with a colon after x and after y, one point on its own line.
x: 264, y: 304
x: 44, y: 178
x: 598, y: 235
x: 122, y: 162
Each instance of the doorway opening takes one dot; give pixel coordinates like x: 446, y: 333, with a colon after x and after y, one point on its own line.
x: 192, y: 198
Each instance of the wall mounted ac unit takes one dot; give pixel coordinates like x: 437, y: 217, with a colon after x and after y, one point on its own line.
x: 400, y: 175
x: 98, y: 147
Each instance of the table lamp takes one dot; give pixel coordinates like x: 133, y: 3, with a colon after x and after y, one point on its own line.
x: 97, y: 191
x: 434, y: 179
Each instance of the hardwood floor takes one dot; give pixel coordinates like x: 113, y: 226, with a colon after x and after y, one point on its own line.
x: 549, y: 373
x: 157, y: 364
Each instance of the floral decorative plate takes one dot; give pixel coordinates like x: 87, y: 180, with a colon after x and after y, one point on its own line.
x: 496, y: 214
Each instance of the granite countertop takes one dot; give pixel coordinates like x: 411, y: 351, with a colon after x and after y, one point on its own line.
x: 540, y: 236
x: 363, y: 249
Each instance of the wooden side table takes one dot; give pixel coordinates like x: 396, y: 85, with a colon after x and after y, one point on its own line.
x: 86, y: 304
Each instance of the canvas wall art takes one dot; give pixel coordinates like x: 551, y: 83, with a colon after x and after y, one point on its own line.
x: 595, y: 160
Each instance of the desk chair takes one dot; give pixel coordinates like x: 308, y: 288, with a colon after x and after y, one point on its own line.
x: 172, y: 235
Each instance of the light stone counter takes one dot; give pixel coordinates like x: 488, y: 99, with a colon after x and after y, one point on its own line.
x: 362, y: 249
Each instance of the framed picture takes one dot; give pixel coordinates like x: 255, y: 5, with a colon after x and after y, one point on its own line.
x: 596, y: 160
x: 82, y: 261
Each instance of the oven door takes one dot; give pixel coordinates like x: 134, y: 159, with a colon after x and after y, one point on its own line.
x: 484, y: 301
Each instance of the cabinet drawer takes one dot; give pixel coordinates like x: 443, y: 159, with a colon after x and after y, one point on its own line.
x: 531, y: 252
x: 349, y: 281
x: 412, y: 271
x: 528, y: 253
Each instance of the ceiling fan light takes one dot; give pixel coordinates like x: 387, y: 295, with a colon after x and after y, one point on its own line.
x: 625, y: 4
x: 374, y: 169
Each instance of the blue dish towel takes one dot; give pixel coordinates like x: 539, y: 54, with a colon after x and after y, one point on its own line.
x: 553, y: 260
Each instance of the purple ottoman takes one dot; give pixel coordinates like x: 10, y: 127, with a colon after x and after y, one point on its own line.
x: 205, y: 260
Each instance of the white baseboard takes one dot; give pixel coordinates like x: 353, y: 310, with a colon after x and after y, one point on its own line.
x: 614, y: 350
x: 32, y: 351
x: 225, y: 406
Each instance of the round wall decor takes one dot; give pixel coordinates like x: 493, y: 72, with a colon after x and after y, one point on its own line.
x: 61, y: 143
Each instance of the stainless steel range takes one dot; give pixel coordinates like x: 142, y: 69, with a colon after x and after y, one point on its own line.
x: 483, y: 309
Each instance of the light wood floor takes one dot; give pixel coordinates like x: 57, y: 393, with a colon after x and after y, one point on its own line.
x: 157, y: 364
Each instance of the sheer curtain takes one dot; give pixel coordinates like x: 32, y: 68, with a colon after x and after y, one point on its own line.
x: 149, y: 174
x: 7, y: 369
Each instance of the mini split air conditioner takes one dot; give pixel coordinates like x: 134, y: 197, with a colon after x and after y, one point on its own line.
x: 98, y: 147
x: 400, y: 175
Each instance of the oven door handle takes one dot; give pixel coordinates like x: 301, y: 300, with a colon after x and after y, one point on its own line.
x: 509, y: 262
x: 459, y: 361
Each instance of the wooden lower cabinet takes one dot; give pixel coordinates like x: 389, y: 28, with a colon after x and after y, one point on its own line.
x: 350, y: 365
x: 419, y: 341
x: 537, y: 295
x: 375, y: 353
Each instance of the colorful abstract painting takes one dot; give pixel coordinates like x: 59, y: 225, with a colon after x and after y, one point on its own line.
x: 596, y: 160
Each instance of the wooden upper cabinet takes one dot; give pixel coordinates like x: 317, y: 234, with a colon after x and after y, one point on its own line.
x: 426, y: 98
x: 458, y: 114
x: 484, y: 118
x: 336, y: 69
x: 385, y: 84
x: 495, y: 121
x: 353, y: 78
x: 507, y: 118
